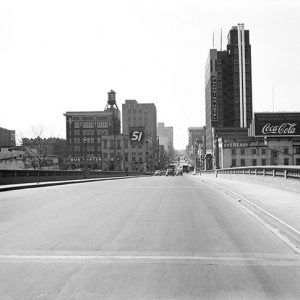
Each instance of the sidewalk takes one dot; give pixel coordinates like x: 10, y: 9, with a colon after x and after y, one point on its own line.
x: 274, y: 196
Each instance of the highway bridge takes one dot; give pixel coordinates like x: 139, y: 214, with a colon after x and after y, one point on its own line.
x: 208, y: 236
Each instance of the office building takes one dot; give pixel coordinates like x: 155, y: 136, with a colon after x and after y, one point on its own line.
x: 85, y: 130
x: 165, y: 136
x: 141, y: 116
x: 228, y: 86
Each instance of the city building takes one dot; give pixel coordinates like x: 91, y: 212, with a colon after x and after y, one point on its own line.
x: 141, y: 116
x: 165, y: 136
x: 7, y: 138
x: 196, y: 145
x: 85, y: 131
x: 274, y: 139
x: 95, y: 141
x: 228, y: 86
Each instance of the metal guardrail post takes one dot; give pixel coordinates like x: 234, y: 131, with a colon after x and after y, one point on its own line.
x: 274, y: 173
x: 285, y: 174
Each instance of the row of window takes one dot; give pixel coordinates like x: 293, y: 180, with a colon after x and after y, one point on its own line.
x: 286, y: 161
x: 106, y: 144
x: 89, y: 132
x: 134, y: 156
x: 263, y: 151
x: 91, y: 124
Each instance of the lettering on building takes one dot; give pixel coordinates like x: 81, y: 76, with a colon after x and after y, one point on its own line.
x: 214, y: 98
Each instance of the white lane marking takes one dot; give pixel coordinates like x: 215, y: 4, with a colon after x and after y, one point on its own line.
x: 275, y: 231
x: 172, y: 259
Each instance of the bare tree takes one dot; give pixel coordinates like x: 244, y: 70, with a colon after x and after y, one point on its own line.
x: 35, y: 149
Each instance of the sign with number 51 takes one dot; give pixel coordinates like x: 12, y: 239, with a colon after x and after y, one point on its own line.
x: 137, y: 135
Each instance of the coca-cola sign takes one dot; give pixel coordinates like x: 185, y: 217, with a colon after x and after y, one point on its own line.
x: 277, y: 124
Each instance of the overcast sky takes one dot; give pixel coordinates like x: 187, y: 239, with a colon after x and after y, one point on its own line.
x: 58, y: 56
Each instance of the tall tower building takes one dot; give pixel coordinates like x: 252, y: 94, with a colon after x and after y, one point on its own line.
x: 228, y: 86
x: 141, y: 115
x: 165, y: 135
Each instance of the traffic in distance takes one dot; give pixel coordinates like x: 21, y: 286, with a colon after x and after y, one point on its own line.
x: 173, y: 170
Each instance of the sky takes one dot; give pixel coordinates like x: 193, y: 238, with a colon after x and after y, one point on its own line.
x: 60, y: 55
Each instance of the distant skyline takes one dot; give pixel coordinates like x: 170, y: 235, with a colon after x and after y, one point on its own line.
x: 58, y: 56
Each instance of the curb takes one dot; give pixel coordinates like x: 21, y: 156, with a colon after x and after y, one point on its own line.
x: 53, y: 183
x: 288, y: 234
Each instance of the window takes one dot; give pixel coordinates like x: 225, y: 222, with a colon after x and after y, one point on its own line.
x: 237, y: 99
x: 274, y: 153
x: 297, y: 149
x: 219, y: 83
x: 140, y: 156
x: 242, y: 162
x: 242, y: 151
x: 233, y: 151
x: 263, y: 151
x: 125, y: 144
x: 286, y: 161
x: 253, y: 162
x: 104, y: 144
x: 111, y: 144
x: 233, y: 162
x: 126, y: 157
x: 77, y: 148
x: 263, y: 162
x: 286, y: 150
x: 253, y: 151
x: 76, y: 125
x: 118, y: 144
x: 133, y: 156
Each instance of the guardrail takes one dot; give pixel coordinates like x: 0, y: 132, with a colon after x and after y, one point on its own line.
x: 27, y: 176
x: 287, y: 172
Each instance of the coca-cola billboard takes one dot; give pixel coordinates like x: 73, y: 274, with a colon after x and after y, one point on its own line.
x: 277, y: 124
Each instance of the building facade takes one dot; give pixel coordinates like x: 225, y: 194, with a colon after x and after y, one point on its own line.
x: 165, y: 136
x: 7, y: 138
x: 141, y: 116
x: 273, y: 139
x: 228, y: 85
x: 196, y: 145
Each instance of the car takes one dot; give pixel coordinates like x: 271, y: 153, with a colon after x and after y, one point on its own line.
x: 157, y: 173
x: 179, y: 172
x: 194, y: 173
x: 170, y: 172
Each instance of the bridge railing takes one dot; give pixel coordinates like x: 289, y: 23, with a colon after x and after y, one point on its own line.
x: 27, y: 176
x: 287, y: 172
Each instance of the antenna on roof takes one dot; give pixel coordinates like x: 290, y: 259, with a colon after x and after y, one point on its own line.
x: 273, y: 97
x: 221, y: 39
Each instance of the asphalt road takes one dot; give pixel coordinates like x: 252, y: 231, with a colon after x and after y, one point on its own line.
x: 142, y: 238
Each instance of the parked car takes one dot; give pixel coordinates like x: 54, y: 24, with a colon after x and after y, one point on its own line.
x: 179, y: 172
x: 157, y: 173
x: 170, y: 172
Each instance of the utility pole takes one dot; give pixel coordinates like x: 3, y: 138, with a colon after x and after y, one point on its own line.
x: 84, y: 157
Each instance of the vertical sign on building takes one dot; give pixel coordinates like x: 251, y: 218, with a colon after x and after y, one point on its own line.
x: 214, y: 98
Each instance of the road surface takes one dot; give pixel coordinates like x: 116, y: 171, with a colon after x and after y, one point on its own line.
x: 141, y: 238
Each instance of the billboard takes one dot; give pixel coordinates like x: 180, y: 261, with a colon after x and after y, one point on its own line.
x: 137, y: 135
x: 277, y: 124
